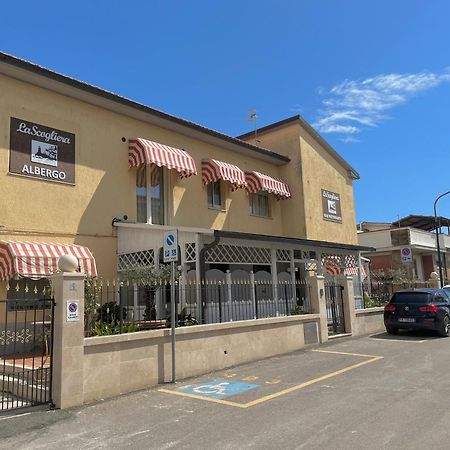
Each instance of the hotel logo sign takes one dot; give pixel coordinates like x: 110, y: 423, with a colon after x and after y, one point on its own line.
x: 331, y: 205
x: 41, y: 152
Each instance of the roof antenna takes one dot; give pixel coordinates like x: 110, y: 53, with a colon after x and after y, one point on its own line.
x: 253, y: 117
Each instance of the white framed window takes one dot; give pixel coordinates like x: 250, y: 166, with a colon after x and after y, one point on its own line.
x: 214, y: 192
x: 150, y: 194
x: 260, y: 204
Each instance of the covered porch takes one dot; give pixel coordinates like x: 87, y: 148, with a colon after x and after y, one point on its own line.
x: 240, y: 276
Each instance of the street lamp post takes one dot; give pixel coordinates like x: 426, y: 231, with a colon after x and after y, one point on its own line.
x: 438, y: 247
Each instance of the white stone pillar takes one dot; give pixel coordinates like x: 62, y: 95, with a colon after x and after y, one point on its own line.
x: 273, y: 266
x: 68, y: 339
x: 348, y: 300
x: 318, y: 304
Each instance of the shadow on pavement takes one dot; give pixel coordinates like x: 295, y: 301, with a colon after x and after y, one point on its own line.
x: 407, y: 335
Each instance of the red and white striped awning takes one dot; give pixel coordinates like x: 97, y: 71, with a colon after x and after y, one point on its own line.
x: 143, y: 151
x: 39, y: 260
x: 257, y: 181
x: 213, y: 170
x: 332, y: 266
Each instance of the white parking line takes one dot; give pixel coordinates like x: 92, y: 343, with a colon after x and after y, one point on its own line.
x: 15, y: 416
x: 409, y: 341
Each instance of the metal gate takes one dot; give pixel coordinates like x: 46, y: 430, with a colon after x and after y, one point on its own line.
x: 26, y: 345
x: 335, y: 308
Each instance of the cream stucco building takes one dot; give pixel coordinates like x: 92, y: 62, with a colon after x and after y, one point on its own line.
x: 278, y: 201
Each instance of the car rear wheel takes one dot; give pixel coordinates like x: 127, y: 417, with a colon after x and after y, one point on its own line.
x: 444, y: 331
x: 391, y: 330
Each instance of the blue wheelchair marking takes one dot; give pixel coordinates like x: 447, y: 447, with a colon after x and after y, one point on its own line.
x: 218, y: 388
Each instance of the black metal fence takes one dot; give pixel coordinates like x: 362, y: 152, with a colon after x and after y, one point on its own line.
x: 378, y: 293
x: 26, y: 342
x: 114, y: 308
x: 335, y: 308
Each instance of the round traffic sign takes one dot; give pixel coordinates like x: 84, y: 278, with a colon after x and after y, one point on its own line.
x: 170, y: 239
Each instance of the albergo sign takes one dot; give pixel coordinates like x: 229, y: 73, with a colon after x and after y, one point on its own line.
x: 41, y: 152
x: 331, y: 206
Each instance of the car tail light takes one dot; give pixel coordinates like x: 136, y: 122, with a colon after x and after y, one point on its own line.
x: 389, y: 308
x: 429, y: 308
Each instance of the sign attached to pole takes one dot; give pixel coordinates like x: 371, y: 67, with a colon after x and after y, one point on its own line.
x: 406, y: 254
x: 170, y: 251
x: 170, y: 254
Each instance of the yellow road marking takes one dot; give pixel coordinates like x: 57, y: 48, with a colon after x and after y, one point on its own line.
x: 372, y: 358
x: 346, y: 353
x: 208, y: 399
x: 310, y: 382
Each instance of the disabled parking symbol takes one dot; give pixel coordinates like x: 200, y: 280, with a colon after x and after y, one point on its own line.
x: 218, y: 388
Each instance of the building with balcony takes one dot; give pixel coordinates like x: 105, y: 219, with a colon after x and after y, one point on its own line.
x: 418, y: 233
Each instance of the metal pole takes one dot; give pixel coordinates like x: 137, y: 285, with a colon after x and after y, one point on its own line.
x: 173, y: 320
x: 438, y: 247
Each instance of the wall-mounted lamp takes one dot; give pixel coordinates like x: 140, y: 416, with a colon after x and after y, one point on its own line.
x: 122, y: 218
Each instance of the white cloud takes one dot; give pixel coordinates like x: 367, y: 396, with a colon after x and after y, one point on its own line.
x: 353, y: 104
x: 349, y: 139
x: 297, y: 108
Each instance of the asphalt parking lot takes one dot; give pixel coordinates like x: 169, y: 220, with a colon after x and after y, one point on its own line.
x: 376, y: 392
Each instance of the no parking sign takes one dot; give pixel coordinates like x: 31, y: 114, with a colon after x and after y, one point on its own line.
x: 170, y: 246
x: 406, y: 254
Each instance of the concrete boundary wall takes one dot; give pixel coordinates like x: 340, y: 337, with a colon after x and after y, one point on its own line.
x: 368, y: 321
x: 100, y: 367
x: 114, y: 365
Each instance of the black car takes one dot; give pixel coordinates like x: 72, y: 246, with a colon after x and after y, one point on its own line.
x: 424, y: 309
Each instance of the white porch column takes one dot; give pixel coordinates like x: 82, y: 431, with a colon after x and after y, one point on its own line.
x: 273, y: 257
x: 229, y: 300
x: 198, y: 284
x: 252, y: 293
x: 319, y: 263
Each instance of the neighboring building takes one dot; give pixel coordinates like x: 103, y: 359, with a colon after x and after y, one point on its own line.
x: 418, y: 233
x: 75, y: 158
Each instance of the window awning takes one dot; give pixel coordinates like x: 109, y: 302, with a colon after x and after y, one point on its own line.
x: 39, y: 260
x: 213, y: 170
x: 257, y: 181
x: 143, y: 151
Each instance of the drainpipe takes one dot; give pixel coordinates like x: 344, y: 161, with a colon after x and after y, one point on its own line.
x: 202, y: 253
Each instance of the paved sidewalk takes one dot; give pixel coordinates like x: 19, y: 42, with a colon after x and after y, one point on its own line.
x: 379, y: 392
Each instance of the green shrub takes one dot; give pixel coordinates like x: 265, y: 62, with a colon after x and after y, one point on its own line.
x: 184, y: 319
x: 297, y: 310
x: 110, y: 313
x: 108, y: 329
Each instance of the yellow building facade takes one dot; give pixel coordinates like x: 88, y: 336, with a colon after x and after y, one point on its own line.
x: 40, y: 205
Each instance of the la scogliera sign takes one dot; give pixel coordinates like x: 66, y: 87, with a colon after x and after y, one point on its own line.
x: 41, y: 152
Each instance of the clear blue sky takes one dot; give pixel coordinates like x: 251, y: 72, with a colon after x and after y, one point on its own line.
x: 373, y: 77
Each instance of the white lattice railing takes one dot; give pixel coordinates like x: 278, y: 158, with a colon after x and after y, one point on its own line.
x: 234, y: 254
x: 136, y: 259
